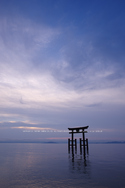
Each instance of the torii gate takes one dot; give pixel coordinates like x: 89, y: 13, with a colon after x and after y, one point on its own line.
x: 78, y: 130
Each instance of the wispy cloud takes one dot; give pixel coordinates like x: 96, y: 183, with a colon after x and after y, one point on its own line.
x: 65, y: 73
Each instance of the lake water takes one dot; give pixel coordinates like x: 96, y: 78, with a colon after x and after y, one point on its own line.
x: 32, y: 165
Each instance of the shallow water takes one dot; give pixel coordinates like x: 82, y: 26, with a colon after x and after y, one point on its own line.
x: 50, y: 165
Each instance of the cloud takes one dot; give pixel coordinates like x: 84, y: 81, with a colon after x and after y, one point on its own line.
x: 56, y: 76
x: 21, y: 39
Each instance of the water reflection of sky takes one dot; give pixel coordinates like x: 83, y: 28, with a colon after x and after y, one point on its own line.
x: 50, y: 165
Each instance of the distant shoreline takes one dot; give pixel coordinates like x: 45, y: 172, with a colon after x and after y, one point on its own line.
x: 63, y: 142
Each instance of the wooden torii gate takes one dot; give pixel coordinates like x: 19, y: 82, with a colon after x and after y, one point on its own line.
x: 83, y: 142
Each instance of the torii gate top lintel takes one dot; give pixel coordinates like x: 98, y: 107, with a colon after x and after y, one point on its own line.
x: 77, y: 129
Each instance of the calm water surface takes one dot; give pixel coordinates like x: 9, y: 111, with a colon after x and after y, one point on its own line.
x: 50, y: 165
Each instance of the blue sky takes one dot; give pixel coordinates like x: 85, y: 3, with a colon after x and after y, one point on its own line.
x: 62, y: 64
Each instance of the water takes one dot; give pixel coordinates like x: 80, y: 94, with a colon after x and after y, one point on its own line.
x: 50, y: 165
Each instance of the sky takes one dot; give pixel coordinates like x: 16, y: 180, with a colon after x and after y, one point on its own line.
x: 62, y: 64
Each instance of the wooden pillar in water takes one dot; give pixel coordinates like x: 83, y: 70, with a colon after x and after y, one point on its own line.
x: 69, y: 145
x: 83, y: 141
x: 80, y: 141
x: 87, y: 145
x: 75, y: 145
x: 72, y: 142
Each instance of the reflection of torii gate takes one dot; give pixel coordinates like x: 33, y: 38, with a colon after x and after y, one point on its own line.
x: 78, y: 130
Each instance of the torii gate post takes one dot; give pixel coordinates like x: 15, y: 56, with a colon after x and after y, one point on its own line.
x: 72, y: 143
x: 78, y: 130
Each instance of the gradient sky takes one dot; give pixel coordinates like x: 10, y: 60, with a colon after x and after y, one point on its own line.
x: 62, y: 64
